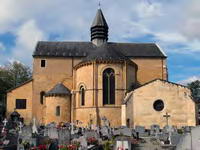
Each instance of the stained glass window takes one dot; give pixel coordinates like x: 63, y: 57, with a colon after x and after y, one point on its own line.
x: 108, y: 86
x: 82, y: 95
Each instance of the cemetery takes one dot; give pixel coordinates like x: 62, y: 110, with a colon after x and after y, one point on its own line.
x: 70, y: 136
x: 99, y: 95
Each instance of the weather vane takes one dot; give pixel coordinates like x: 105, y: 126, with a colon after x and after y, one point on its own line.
x: 99, y: 5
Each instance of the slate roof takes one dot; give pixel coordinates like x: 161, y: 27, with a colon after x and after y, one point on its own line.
x: 99, y: 20
x: 105, y: 52
x: 83, y: 49
x: 58, y: 89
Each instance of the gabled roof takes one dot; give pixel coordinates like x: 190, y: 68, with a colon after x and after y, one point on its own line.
x: 83, y: 49
x: 9, y: 90
x: 129, y: 95
x: 161, y: 81
x: 99, y: 20
x: 58, y: 89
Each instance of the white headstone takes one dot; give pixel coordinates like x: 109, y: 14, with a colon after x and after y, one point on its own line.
x: 34, y: 127
x: 4, y: 125
x: 5, y: 122
x: 83, y: 142
x: 20, y: 127
x: 72, y: 128
x: 121, y: 145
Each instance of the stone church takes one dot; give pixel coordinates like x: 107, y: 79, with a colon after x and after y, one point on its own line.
x: 84, y: 82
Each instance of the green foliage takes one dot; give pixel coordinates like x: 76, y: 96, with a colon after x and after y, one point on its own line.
x: 195, y: 89
x: 180, y: 131
x: 12, y: 75
x: 108, y: 145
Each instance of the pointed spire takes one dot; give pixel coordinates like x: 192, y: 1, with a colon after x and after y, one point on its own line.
x: 99, y: 29
x: 99, y: 20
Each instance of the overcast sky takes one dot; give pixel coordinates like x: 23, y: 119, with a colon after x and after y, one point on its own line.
x: 173, y: 24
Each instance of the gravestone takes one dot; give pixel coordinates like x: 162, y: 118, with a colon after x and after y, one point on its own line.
x: 26, y: 134
x: 190, y: 141
x: 122, y: 142
x: 4, y: 125
x: 155, y: 130
x: 83, y: 143
x: 170, y: 131
x: 140, y: 131
x: 72, y: 128
x: 34, y: 127
x: 123, y: 131
x: 105, y: 131
x: 53, y: 133
x: 187, y: 129
x: 90, y: 134
x: 126, y: 132
x: 20, y: 127
x: 63, y: 136
x: 175, y: 138
x: 122, y: 145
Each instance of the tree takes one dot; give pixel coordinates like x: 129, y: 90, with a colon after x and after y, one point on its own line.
x: 195, y: 89
x: 12, y: 75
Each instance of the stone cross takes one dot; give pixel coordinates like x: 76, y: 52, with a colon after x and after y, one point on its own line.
x: 4, y: 125
x: 5, y: 122
x: 20, y: 127
x: 167, y: 117
x: 72, y: 128
x: 34, y: 127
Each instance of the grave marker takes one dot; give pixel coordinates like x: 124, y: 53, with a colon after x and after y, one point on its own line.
x: 167, y: 116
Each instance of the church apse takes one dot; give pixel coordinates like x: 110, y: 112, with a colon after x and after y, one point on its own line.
x: 105, y: 86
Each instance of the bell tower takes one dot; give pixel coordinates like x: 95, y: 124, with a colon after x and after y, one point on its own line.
x: 99, y: 29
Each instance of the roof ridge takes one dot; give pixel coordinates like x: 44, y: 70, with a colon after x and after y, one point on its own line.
x: 13, y: 88
x: 162, y: 81
x: 132, y: 43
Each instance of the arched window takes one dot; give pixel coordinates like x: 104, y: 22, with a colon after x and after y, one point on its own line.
x: 42, y: 97
x: 82, y: 95
x: 108, y: 86
x: 57, y: 110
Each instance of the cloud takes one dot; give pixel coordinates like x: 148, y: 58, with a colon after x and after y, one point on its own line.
x: 128, y: 20
x: 189, y: 80
x: 149, y: 10
x: 191, y: 21
x: 170, y: 37
x: 26, y: 38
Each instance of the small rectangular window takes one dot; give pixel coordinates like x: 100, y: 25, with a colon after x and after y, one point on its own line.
x: 58, y: 111
x: 43, y: 63
x: 20, y: 103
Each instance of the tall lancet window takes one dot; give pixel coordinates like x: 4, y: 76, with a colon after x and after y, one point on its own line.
x: 108, y: 86
x: 82, y: 95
